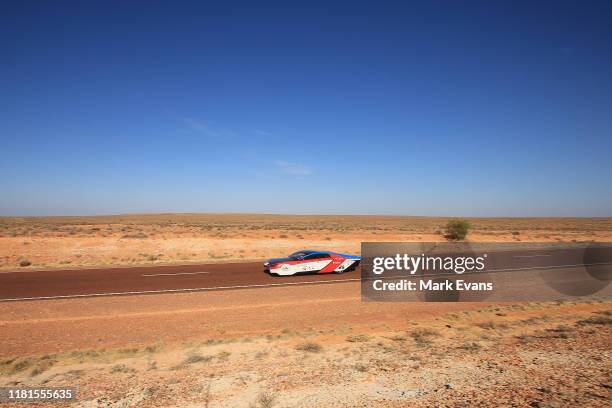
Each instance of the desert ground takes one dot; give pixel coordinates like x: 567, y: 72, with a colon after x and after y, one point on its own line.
x: 299, y: 346
x: 233, y: 350
x: 60, y: 242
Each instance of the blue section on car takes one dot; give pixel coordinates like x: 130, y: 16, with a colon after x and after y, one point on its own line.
x: 335, y: 253
x: 307, y: 253
x: 345, y: 255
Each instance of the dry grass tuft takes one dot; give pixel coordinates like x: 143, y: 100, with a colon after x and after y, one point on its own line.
x: 398, y: 337
x: 471, y: 346
x: 309, y: 347
x: 603, y: 320
x: 605, y: 312
x: 265, y: 400
x: 138, y: 235
x: 423, y: 336
x: 358, y: 338
x: 192, y: 359
x: 122, y: 368
x: 491, y: 325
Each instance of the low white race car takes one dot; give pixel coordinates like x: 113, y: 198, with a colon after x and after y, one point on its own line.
x: 309, y: 261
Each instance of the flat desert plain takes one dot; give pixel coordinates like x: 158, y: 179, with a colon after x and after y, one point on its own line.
x: 297, y: 346
x: 60, y: 242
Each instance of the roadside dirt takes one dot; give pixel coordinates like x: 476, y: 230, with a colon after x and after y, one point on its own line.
x: 71, y: 324
x: 542, y: 355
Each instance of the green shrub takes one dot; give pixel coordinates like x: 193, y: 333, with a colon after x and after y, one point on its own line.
x: 457, y: 230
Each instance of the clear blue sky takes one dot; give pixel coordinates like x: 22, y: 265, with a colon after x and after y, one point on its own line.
x: 416, y: 108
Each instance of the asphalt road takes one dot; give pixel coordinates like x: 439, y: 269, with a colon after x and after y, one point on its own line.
x: 566, y: 267
x: 24, y: 285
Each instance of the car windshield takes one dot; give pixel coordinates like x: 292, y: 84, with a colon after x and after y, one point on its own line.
x: 299, y: 255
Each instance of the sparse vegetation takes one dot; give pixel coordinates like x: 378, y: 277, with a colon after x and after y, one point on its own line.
x: 37, y: 371
x: 524, y: 338
x: 309, y: 347
x: 490, y: 360
x: 159, y: 232
x: 491, y: 325
x: 398, y: 337
x: 457, y: 230
x: 423, y: 336
x: 153, y: 348
x: 562, y: 328
x: 192, y: 359
x: 471, y: 346
x: 603, y: 320
x: 207, y: 396
x: 605, y: 312
x: 122, y: 368
x: 22, y: 364
x: 74, y: 374
x: 358, y: 338
x: 139, y: 235
x: 265, y: 400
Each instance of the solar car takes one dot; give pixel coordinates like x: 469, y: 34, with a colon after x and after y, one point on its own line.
x: 311, y: 261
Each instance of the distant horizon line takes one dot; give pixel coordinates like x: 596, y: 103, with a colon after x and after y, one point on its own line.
x: 299, y: 215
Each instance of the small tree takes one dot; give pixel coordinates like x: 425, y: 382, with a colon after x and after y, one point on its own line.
x: 456, y: 230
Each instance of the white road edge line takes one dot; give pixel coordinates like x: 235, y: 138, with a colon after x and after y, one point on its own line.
x: 174, y: 274
x: 181, y: 290
x: 485, y: 271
